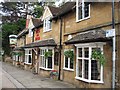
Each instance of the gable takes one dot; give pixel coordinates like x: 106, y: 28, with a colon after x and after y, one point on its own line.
x: 30, y: 25
x: 47, y: 13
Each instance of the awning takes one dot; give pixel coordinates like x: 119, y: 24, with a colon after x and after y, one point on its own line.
x: 89, y: 36
x: 42, y: 43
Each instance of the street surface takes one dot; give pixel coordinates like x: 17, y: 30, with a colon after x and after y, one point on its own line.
x: 14, y: 77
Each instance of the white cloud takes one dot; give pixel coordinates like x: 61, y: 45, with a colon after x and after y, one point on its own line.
x: 1, y: 1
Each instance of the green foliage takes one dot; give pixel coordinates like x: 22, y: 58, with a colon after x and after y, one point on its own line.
x: 38, y: 11
x: 48, y: 54
x: 97, y: 55
x: 69, y: 54
x: 17, y: 53
x: 8, y: 29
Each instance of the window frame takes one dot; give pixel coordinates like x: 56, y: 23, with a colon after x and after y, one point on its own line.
x: 46, y: 60
x: 14, y: 57
x: 68, y: 69
x: 77, y: 11
x: 90, y: 46
x: 46, y: 26
x: 27, y: 56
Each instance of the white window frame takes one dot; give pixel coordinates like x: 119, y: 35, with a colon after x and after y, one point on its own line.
x: 13, y: 57
x: 90, y: 46
x: 77, y: 11
x: 46, y: 26
x: 45, y: 67
x: 16, y: 58
x: 69, y: 69
x: 27, y: 56
x: 30, y: 33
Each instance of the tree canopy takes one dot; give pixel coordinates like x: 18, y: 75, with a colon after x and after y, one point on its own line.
x: 14, y: 18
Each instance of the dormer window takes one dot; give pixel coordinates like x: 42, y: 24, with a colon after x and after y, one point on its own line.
x: 47, y: 24
x: 82, y: 10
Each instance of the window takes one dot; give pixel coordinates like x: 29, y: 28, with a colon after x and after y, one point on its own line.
x: 46, y: 63
x: 30, y: 33
x: 82, y: 10
x: 87, y: 69
x: 16, y: 58
x: 28, y: 56
x: 13, y: 57
x: 68, y: 63
x: 47, y: 24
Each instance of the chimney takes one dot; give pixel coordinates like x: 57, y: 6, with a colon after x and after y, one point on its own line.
x: 28, y: 20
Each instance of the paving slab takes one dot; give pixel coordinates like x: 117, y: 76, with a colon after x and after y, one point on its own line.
x: 29, y: 80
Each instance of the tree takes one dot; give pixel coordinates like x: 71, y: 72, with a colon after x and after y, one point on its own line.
x: 13, y: 21
x: 8, y: 29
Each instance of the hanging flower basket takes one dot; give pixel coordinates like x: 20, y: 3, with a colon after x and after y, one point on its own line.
x: 48, y: 54
x: 17, y: 53
x: 69, y: 54
x: 97, y: 55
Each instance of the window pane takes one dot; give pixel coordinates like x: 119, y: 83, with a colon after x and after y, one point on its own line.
x: 86, y: 62
x: 79, y: 12
x: 30, y: 59
x: 80, y: 67
x: 66, y: 62
x: 44, y: 62
x: 86, y: 52
x: 86, y: 10
x: 50, y: 62
x: 98, y: 49
x: 80, y: 52
x: 29, y: 51
x: 71, y: 64
x: 40, y: 52
x: 95, y: 74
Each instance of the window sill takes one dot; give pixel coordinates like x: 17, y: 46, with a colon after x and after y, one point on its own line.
x: 89, y: 81
x: 82, y: 19
x: 67, y: 69
x: 47, y: 69
x: 28, y: 63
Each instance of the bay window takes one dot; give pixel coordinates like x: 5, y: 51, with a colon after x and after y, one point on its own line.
x: 87, y: 68
x: 46, y: 63
x: 82, y: 10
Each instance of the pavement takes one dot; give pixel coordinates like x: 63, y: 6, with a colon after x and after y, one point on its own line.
x: 25, y: 79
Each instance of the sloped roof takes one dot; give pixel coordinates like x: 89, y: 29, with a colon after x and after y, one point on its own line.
x: 37, y: 22
x: 43, y: 43
x: 65, y: 8
x: 24, y: 31
x: 89, y: 36
x: 54, y: 10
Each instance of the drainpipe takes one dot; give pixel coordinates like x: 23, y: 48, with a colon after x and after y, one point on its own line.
x: 113, y: 49
x: 60, y: 47
x: 33, y: 36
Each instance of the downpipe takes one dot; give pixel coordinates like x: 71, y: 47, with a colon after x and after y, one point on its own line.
x: 113, y: 49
